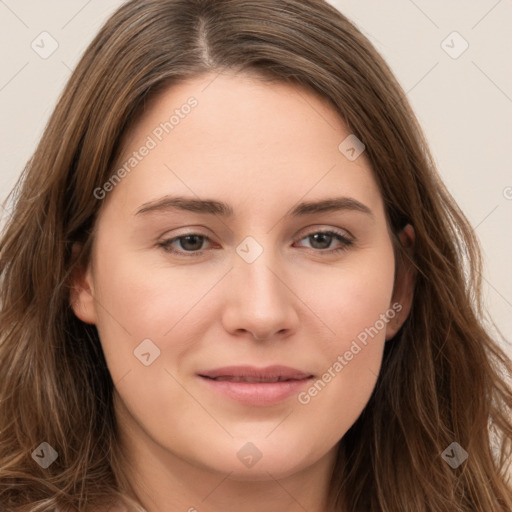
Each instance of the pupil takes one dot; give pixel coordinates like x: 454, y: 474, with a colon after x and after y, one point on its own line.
x: 325, y: 236
x: 194, y: 246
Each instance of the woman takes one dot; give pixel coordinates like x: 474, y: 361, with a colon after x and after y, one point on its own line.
x: 233, y: 280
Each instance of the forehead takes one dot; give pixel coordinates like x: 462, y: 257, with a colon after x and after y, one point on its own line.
x: 225, y: 134
x: 262, y: 109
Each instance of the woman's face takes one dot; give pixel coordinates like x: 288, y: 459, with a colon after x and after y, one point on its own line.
x: 196, y: 299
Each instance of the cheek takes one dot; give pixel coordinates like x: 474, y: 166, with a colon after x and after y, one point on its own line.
x: 356, y: 305
x: 137, y: 301
x: 351, y: 297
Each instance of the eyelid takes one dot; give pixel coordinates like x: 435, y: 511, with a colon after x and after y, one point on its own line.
x: 323, y: 228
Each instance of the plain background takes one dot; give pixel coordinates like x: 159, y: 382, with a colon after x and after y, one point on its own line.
x: 464, y: 104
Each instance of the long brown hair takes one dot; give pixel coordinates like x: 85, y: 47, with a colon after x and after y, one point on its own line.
x: 443, y: 377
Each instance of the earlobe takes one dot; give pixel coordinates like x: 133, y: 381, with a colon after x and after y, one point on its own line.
x: 81, y: 293
x: 403, y: 290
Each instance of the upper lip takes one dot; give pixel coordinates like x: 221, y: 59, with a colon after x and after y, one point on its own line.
x: 273, y: 373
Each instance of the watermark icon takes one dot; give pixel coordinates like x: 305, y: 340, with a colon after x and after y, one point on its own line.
x: 147, y: 352
x: 454, y: 45
x: 304, y: 397
x: 45, y: 455
x: 249, y: 454
x: 44, y: 45
x: 249, y: 249
x: 507, y: 193
x: 151, y: 142
x: 454, y: 455
x: 351, y: 147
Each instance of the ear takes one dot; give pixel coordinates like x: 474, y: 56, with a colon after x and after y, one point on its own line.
x: 403, y: 290
x: 82, y: 293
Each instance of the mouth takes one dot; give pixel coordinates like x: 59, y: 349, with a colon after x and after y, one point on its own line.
x: 242, y: 378
x: 256, y: 386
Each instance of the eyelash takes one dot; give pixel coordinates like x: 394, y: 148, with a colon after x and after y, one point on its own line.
x: 346, y: 243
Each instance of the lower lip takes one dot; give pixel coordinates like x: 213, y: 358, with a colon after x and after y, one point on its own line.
x: 257, y: 393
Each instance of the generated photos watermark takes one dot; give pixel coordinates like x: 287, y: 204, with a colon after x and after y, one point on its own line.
x: 304, y: 397
x: 151, y: 142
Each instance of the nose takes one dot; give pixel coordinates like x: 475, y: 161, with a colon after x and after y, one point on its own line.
x: 259, y: 299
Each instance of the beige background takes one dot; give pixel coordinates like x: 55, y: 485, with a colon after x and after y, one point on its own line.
x: 464, y: 104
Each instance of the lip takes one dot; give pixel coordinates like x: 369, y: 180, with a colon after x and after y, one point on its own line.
x: 256, y: 386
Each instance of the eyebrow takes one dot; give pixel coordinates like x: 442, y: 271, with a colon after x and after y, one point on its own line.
x: 213, y: 207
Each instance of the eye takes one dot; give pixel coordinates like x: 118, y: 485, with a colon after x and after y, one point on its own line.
x: 322, y: 240
x: 192, y: 244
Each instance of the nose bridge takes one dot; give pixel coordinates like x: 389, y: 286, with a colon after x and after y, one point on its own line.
x: 258, y: 301
x: 256, y: 268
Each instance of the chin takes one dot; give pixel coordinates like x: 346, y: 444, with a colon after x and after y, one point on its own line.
x: 262, y: 460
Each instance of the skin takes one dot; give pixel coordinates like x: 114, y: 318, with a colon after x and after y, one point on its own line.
x: 261, y: 148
